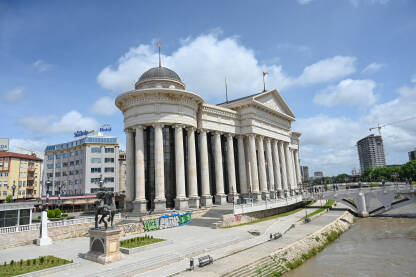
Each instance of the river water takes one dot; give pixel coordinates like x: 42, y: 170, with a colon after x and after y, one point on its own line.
x: 371, y: 247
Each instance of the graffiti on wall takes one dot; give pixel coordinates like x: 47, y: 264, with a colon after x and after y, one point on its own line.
x: 174, y: 220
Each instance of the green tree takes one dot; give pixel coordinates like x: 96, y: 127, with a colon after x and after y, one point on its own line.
x: 9, y: 199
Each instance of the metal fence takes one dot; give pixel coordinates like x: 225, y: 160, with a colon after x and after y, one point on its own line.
x: 266, y: 204
x: 51, y: 224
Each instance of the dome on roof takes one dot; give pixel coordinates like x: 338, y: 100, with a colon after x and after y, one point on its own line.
x: 160, y: 77
x: 159, y: 73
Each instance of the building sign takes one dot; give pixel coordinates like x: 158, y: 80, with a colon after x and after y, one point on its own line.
x: 80, y: 133
x: 105, y: 128
x: 4, y: 144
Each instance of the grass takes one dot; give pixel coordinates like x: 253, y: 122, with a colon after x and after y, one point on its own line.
x: 139, y: 241
x: 25, y: 266
x: 374, y: 185
x: 265, y: 218
x: 311, y: 204
x: 328, y: 204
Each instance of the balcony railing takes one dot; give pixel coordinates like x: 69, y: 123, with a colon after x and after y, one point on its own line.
x: 31, y: 169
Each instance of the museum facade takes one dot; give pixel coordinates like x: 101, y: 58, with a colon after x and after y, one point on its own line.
x: 183, y: 152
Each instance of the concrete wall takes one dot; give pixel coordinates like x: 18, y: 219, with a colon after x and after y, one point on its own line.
x: 231, y: 220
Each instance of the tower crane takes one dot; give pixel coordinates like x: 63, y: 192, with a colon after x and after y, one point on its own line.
x: 390, y: 123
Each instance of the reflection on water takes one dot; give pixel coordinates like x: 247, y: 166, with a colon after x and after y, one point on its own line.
x: 372, y: 247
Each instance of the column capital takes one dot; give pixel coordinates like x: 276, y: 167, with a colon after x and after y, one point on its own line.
x: 190, y: 128
x: 161, y: 125
x: 128, y: 130
x: 229, y: 135
x: 252, y: 135
x: 178, y: 126
x: 140, y: 127
x: 217, y: 133
x: 201, y: 130
x: 259, y: 137
x: 267, y: 139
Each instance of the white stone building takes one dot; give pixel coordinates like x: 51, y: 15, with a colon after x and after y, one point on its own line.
x: 77, y: 166
x: 184, y: 152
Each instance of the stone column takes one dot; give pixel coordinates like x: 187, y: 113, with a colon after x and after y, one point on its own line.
x: 289, y: 166
x: 206, y: 198
x: 242, y: 166
x: 298, y: 174
x: 140, y: 203
x: 160, y: 200
x: 129, y: 166
x: 262, y: 168
x: 219, y: 175
x: 192, y: 178
x: 283, y: 164
x: 253, y: 167
x: 181, y: 202
x: 295, y: 181
x: 44, y: 239
x: 269, y: 160
x: 276, y: 167
x: 232, y: 187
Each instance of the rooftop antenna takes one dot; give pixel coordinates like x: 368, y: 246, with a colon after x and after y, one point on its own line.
x: 226, y: 90
x: 264, y: 81
x: 160, y: 61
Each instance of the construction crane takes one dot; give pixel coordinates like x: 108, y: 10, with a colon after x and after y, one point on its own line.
x: 391, y: 123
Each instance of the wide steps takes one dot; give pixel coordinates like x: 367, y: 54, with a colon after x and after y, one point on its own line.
x: 263, y: 267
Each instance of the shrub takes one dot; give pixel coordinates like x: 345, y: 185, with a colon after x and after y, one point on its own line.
x: 9, y: 199
x: 64, y: 215
x: 28, y: 262
x: 11, y: 262
x: 42, y: 260
x: 57, y: 212
x: 51, y: 213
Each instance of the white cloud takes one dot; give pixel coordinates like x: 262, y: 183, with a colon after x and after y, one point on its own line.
x: 413, y: 79
x: 104, y: 106
x: 14, y: 96
x: 304, y: 2
x: 348, y: 92
x: 203, y: 62
x: 373, y: 67
x: 51, y: 124
x: 29, y: 144
x: 42, y: 66
x: 327, y: 70
x: 356, y: 3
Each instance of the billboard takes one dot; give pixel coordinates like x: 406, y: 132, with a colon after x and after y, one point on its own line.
x: 4, y: 144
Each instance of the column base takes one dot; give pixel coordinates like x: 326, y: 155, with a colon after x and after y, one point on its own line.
x: 140, y: 206
x: 364, y: 214
x: 232, y: 198
x: 206, y: 200
x: 193, y: 202
x: 43, y: 241
x: 160, y: 205
x: 256, y: 196
x: 272, y: 195
x: 181, y: 203
x: 265, y: 195
x: 220, y: 199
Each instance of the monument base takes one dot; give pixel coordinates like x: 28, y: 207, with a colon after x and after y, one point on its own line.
x: 193, y: 202
x: 232, y: 198
x: 43, y: 241
x: 181, y: 204
x: 272, y: 195
x: 265, y: 195
x: 140, y: 206
x: 220, y: 199
x: 160, y: 205
x: 104, y: 245
x: 256, y: 196
x: 206, y: 200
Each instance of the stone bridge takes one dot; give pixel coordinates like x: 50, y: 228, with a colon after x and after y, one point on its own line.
x: 358, y: 199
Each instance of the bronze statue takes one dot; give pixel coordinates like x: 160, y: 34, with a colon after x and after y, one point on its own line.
x: 105, y: 207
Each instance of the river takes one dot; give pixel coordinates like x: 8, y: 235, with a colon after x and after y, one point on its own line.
x: 381, y: 246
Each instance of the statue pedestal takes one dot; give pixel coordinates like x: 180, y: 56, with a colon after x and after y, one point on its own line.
x: 104, y: 245
x: 44, y: 238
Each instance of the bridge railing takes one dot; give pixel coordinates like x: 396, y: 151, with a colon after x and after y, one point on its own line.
x: 266, y: 204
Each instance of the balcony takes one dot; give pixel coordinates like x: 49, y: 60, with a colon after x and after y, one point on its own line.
x: 30, y: 178
x: 30, y: 187
x: 31, y: 169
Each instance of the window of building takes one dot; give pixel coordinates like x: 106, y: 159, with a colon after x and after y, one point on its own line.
x: 66, y: 155
x: 1, y: 174
x: 1, y: 163
x: 109, y: 180
x: 0, y: 183
x: 50, y: 157
x: 109, y: 150
x: 64, y: 173
x: 76, y: 153
x: 49, y: 175
x: 50, y: 166
x: 109, y: 160
x: 95, y: 180
x: 24, y: 183
x: 95, y: 170
x: 71, y: 172
x: 6, y: 174
x: 58, y: 165
x: 58, y: 156
x: 95, y: 160
x: 64, y: 164
x: 76, y: 171
x: 20, y: 184
x: 77, y: 162
x: 95, y: 190
x: 57, y: 174
x: 95, y: 149
x: 71, y: 163
x: 5, y: 183
x: 4, y: 193
x: 109, y: 169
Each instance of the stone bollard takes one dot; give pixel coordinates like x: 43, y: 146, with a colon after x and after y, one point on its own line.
x: 44, y: 238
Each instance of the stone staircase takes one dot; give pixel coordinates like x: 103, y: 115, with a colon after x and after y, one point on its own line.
x: 263, y: 267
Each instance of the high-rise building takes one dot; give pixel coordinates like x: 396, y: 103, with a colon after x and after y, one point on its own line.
x: 412, y: 155
x: 371, y: 152
x: 305, y: 173
x: 318, y: 174
x: 19, y: 175
x: 77, y: 167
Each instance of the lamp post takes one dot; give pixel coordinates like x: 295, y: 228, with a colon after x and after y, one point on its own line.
x: 13, y: 189
x: 59, y: 196
x: 48, y: 184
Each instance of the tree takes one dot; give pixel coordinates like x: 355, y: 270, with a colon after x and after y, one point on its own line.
x: 9, y: 199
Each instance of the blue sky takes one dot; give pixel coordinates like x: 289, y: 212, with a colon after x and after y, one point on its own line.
x: 342, y: 66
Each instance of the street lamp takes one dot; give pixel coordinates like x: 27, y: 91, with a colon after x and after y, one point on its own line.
x: 48, y: 184
x: 13, y: 189
x: 59, y: 195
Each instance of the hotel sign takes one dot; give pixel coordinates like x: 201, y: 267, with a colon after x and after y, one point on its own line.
x: 80, y: 133
x: 4, y: 144
x: 105, y: 128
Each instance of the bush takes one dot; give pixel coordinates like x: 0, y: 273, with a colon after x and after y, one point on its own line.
x: 9, y: 199
x: 57, y: 212
x: 64, y: 215
x: 51, y: 213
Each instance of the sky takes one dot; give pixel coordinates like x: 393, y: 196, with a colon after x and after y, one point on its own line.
x: 342, y: 66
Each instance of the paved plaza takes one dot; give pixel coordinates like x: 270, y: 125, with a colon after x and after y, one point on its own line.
x: 192, y: 240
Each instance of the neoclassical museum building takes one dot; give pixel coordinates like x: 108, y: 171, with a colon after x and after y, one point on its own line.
x: 183, y: 152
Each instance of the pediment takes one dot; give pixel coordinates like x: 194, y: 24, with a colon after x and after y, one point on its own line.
x: 273, y: 100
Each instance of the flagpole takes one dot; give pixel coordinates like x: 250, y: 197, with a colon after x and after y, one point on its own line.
x: 160, y: 61
x: 264, y: 83
x: 226, y: 90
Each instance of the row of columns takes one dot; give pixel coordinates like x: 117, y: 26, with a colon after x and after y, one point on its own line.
x: 282, y: 167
